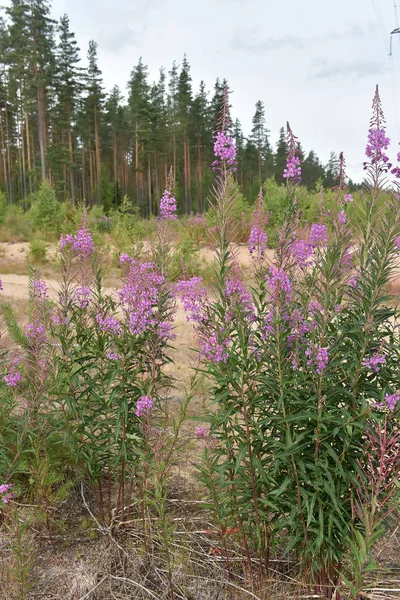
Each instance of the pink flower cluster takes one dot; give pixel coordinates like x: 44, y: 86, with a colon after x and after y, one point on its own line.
x: 397, y: 242
x: 318, y: 235
x: 193, y: 295
x: 39, y: 289
x: 168, y: 207
x: 293, y: 169
x: 302, y: 252
x: 279, y: 282
x: 342, y: 219
x: 13, y: 377
x: 212, y: 339
x: 392, y: 400
x: 140, y: 294
x: 83, y: 296
x: 214, y: 345
x: 374, y: 362
x: 36, y: 333
x: 198, y: 220
x: 108, y: 324
x: 113, y: 356
x: 239, y: 298
x: 348, y: 198
x: 5, y: 494
x: 81, y: 243
x: 319, y: 357
x: 224, y: 150
x: 258, y: 240
x: 201, y: 432
x: 144, y: 406
x: 378, y: 142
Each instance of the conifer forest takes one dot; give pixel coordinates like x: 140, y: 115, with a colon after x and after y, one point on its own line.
x: 59, y: 123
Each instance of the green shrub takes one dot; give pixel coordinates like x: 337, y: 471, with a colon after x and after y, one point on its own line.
x: 17, y: 227
x: 46, y: 210
x: 185, y: 259
x: 37, y: 251
x: 3, y: 207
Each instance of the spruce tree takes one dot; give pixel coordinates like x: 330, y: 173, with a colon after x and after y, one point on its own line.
x: 69, y: 86
x: 280, y: 156
x: 184, y: 97
x: 139, y: 113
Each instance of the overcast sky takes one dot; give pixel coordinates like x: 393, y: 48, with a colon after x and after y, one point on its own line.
x: 314, y: 62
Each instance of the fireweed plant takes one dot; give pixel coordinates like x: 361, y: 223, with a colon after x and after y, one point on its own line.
x: 85, y: 364
x: 113, y: 348
x: 305, y: 374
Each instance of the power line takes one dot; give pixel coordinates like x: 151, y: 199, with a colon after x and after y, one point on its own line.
x: 395, y: 14
x: 380, y: 23
x: 391, y: 67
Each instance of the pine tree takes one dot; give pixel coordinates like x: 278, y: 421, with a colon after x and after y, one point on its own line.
x: 158, y: 133
x: 311, y: 170
x: 184, y: 98
x: 259, y: 135
x: 331, y: 170
x: 42, y: 61
x: 280, y: 156
x: 139, y: 109
x: 238, y: 136
x: 116, y: 139
x: 93, y: 108
x: 172, y: 108
x: 202, y: 134
x: 20, y: 95
x: 69, y: 85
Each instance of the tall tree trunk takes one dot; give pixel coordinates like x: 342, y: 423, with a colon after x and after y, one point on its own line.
x: 149, y: 183
x: 41, y: 125
x: 23, y: 155
x: 199, y: 179
x: 71, y: 159
x: 83, y: 162
x: 189, y: 178
x: 91, y: 174
x: 97, y: 149
x: 3, y: 152
x: 157, y: 179
x: 10, y: 197
x: 185, y: 193
x: 65, y: 168
x: 137, y: 164
x: 28, y: 150
x: 115, y: 166
x: 259, y: 167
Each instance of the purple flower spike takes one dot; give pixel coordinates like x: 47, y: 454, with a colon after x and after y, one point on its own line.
x: 167, y: 207
x: 292, y: 173
x: 201, y: 432
x: 13, y: 378
x: 144, y: 406
x: 224, y: 150
x: 391, y: 401
x: 81, y: 243
x: 374, y: 362
x: 318, y: 235
x: 258, y: 240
